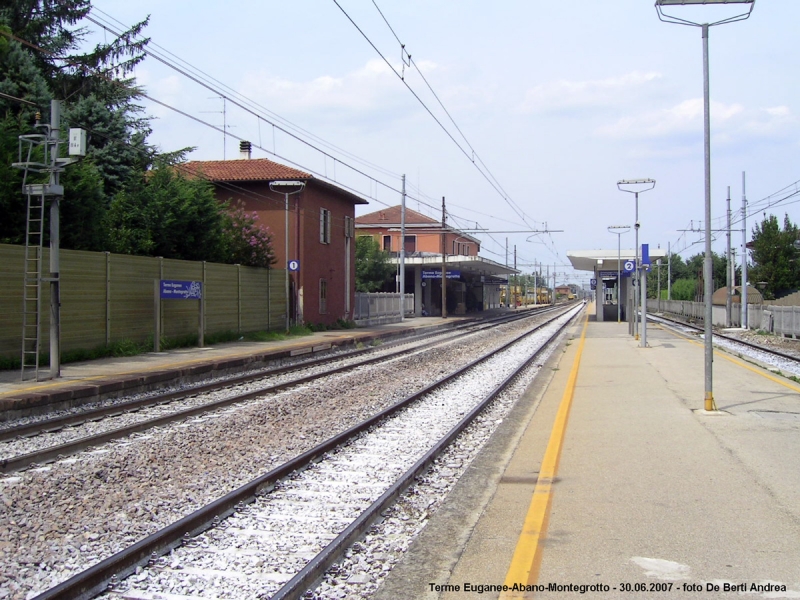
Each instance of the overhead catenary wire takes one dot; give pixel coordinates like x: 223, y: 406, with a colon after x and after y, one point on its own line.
x: 483, y: 171
x: 241, y: 101
x: 259, y: 146
x: 776, y: 198
x: 230, y: 93
x: 449, y: 116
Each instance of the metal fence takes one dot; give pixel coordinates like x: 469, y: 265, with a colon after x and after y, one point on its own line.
x: 381, y: 304
x: 781, y: 320
x: 107, y: 298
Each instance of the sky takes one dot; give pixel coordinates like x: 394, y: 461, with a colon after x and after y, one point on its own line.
x: 553, y: 103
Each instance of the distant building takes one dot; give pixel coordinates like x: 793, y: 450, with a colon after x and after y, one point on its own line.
x: 473, y: 282
x: 563, y: 291
x: 321, y: 229
x: 423, y: 234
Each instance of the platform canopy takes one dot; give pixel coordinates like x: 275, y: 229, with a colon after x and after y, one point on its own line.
x: 470, y: 264
x: 589, y: 260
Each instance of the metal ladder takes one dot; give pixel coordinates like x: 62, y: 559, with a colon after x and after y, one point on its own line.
x: 32, y: 291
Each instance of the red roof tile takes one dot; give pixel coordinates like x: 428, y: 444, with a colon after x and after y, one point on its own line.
x: 391, y: 216
x: 257, y: 169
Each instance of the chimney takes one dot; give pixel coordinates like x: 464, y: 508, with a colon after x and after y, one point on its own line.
x: 245, y: 149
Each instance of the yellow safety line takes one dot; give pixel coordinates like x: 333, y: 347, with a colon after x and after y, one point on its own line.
x: 527, y: 559
x: 757, y: 370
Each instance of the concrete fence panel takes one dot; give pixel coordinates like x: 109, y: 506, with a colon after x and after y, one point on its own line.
x: 107, y: 298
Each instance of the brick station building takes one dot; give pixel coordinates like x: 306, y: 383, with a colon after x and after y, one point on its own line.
x: 320, y: 232
x: 473, y: 282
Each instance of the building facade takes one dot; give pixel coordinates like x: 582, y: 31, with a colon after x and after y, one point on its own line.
x: 423, y: 234
x: 313, y: 217
x: 473, y: 283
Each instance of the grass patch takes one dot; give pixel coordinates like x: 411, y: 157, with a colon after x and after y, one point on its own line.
x: 127, y: 347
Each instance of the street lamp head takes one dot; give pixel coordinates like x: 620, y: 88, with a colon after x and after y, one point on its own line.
x: 641, y: 185
x: 298, y: 185
x: 619, y: 229
x: 682, y: 2
x: 679, y: 21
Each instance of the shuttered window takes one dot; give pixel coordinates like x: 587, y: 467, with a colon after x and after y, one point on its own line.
x: 349, y: 227
x: 324, y: 226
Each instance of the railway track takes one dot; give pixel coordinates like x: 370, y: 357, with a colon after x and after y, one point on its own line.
x: 347, y: 476
x: 735, y: 344
x: 185, y: 404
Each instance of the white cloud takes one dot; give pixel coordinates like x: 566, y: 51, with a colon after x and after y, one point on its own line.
x: 169, y: 89
x: 569, y: 95
x: 369, y: 88
x: 730, y: 123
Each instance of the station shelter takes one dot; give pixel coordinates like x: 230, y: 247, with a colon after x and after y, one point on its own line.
x: 613, y: 281
x: 474, y: 283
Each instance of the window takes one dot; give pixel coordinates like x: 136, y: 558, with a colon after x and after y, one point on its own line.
x: 349, y: 227
x: 410, y: 244
x: 461, y: 248
x: 323, y: 296
x: 387, y: 243
x: 324, y: 226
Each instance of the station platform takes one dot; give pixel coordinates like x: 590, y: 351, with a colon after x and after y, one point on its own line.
x: 608, y: 480
x: 88, y: 381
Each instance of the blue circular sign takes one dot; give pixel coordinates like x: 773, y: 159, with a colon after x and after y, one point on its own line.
x: 629, y: 266
x: 293, y: 265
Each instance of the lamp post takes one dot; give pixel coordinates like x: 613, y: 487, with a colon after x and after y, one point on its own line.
x: 658, y: 295
x: 298, y: 185
x: 619, y: 230
x: 639, y: 186
x: 707, y: 264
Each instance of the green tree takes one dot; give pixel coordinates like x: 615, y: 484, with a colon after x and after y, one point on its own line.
x: 100, y: 99
x: 372, y: 265
x: 166, y: 214
x: 83, y: 209
x: 684, y: 289
x: 12, y: 207
x: 775, y: 260
x: 689, y: 272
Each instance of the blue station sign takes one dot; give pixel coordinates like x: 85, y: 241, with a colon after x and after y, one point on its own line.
x: 437, y: 274
x: 172, y: 289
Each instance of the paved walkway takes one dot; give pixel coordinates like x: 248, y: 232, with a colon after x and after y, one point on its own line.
x: 85, y: 381
x: 651, y: 497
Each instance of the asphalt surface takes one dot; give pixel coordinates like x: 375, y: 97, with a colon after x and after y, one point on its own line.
x: 653, y: 497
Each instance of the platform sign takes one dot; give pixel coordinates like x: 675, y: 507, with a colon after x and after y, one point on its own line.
x: 607, y: 274
x: 172, y: 289
x: 593, y: 283
x: 646, y: 255
x: 437, y: 274
x: 293, y: 266
x: 629, y: 266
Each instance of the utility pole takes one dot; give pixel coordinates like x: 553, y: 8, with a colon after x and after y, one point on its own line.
x: 516, y: 277
x: 745, y: 323
x: 403, y: 251
x: 444, y: 261
x: 669, y: 272
x: 53, y: 165
x: 508, y: 287
x: 728, y: 296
